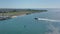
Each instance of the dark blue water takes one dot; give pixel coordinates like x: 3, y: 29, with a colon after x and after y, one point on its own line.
x: 28, y: 25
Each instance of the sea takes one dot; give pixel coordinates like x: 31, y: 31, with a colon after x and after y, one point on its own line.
x: 26, y: 24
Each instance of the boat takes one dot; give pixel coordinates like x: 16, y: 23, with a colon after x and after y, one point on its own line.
x: 3, y: 17
x: 43, y: 19
x: 36, y: 18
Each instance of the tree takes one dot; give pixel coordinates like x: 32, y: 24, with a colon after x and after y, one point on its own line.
x: 14, y: 10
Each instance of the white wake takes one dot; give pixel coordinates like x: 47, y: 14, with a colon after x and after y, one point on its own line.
x: 43, y: 19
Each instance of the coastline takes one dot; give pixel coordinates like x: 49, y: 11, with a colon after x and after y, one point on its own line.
x: 9, y: 15
x: 17, y: 16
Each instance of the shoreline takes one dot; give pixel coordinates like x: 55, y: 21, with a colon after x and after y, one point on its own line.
x: 13, y: 15
x: 16, y: 16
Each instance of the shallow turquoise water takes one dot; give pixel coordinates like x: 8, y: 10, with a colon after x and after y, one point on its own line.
x: 27, y: 25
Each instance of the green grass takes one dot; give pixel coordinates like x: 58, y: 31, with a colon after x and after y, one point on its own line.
x: 21, y: 12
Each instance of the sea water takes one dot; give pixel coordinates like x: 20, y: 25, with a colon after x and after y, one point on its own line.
x: 26, y: 24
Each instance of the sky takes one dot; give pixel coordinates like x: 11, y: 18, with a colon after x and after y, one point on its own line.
x: 29, y: 3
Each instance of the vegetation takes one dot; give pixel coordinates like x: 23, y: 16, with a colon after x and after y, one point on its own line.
x: 20, y: 12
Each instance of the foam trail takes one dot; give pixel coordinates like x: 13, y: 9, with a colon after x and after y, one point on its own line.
x: 48, y: 20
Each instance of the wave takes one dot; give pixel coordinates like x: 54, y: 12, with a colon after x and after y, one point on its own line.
x: 48, y: 20
x: 51, y: 29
